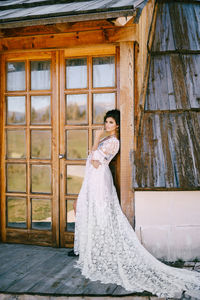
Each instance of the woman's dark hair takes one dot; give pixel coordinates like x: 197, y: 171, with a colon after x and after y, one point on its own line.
x: 115, y: 114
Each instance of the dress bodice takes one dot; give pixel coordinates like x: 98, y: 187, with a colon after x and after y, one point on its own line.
x: 106, y: 150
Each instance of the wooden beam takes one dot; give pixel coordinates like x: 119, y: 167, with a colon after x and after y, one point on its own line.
x: 68, y: 40
x: 127, y: 127
x: 56, y: 28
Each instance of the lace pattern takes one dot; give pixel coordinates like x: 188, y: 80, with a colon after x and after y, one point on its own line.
x: 108, y: 248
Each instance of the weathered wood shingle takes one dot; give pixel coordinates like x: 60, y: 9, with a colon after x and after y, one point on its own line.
x: 168, y: 148
x: 177, y: 26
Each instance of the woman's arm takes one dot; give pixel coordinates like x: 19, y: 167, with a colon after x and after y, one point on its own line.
x: 98, y: 136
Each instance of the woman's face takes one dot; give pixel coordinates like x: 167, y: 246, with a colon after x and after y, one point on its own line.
x: 110, y: 125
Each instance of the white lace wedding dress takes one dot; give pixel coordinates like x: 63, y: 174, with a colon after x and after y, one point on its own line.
x: 108, y: 247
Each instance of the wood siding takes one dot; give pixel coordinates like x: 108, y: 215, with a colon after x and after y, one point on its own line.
x: 167, y: 152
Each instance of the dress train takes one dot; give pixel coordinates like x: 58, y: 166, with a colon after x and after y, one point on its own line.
x: 108, y: 247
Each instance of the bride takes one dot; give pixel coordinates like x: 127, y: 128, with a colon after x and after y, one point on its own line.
x: 108, y: 248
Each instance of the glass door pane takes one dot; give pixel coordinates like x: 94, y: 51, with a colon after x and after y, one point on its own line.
x: 76, y: 73
x: 16, y: 76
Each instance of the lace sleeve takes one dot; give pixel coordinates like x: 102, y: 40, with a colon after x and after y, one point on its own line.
x: 106, y: 150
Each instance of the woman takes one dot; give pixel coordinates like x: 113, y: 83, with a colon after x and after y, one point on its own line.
x: 107, y: 245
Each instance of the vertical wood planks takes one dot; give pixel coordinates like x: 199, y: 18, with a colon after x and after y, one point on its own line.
x: 168, y: 151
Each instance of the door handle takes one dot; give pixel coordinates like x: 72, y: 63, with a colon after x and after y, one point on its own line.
x: 61, y: 156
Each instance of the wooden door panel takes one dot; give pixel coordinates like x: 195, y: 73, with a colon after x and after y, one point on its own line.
x: 88, y: 90
x: 29, y: 166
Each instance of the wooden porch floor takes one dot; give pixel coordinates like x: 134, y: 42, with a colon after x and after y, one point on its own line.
x: 27, y: 270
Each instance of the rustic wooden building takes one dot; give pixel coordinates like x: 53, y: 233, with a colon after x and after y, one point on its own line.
x: 63, y: 65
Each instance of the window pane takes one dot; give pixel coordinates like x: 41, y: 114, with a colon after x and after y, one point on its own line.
x: 40, y: 75
x: 76, y: 73
x: 40, y: 110
x: 41, y: 214
x: 76, y: 109
x: 70, y: 216
x: 16, y: 76
x: 103, y: 71
x: 16, y: 177
x: 77, y: 144
x: 16, y: 141
x: 41, y: 179
x: 75, y: 175
x: 16, y: 212
x: 101, y: 104
x: 41, y: 144
x: 16, y: 110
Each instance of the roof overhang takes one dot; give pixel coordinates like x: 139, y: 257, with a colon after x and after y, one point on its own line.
x: 109, y: 13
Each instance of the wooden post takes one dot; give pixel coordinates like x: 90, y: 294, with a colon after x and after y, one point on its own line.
x: 127, y: 127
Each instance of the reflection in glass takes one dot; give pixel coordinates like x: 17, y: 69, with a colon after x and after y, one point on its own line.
x: 40, y: 75
x: 75, y: 175
x: 16, y: 76
x: 101, y: 104
x: 77, y: 144
x: 16, y: 177
x: 16, y: 212
x: 16, y: 140
x: 70, y: 216
x: 103, y: 71
x: 76, y: 73
x: 41, y: 214
x: 40, y: 110
x: 41, y: 179
x: 41, y: 144
x: 76, y: 109
x: 16, y: 110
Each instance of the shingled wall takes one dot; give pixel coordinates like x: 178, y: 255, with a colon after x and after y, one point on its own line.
x: 168, y: 147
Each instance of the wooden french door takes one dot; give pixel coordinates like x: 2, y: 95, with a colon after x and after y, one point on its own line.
x: 52, y: 104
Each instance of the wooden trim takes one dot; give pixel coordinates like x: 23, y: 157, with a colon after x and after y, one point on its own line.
x: 55, y: 107
x: 2, y: 134
x: 1, y: 130
x: 152, y: 27
x: 62, y: 150
x: 136, y: 91
x: 23, y: 55
x: 142, y: 97
x: 87, y: 16
x: 127, y: 127
x: 28, y: 144
x: 101, y: 49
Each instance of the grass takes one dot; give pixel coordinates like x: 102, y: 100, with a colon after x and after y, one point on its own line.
x: 74, y: 184
x: 16, y: 210
x: 76, y: 144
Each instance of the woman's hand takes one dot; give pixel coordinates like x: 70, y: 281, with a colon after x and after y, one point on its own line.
x: 99, y: 132
x: 96, y: 163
